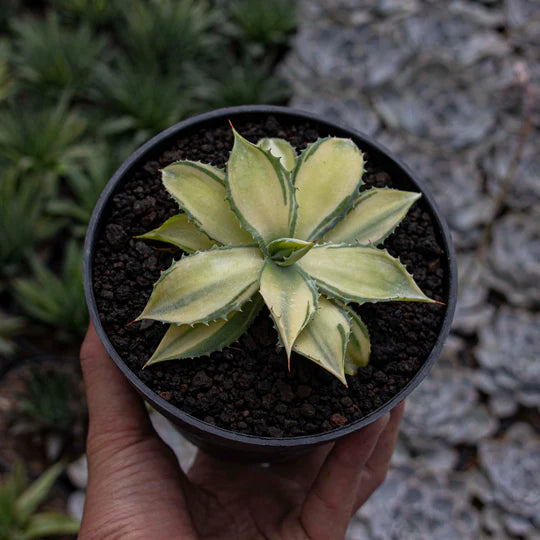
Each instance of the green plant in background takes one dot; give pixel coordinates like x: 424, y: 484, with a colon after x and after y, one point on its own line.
x: 57, y: 301
x: 237, y: 82
x: 7, y: 83
x: 8, y: 8
x: 9, y: 327
x: 144, y: 100
x: 22, y: 223
x: 292, y: 232
x: 41, y: 141
x: 82, y: 84
x: 19, y: 502
x: 167, y: 33
x: 47, y: 399
x: 97, y: 12
x: 54, y: 58
x: 263, y: 24
x: 85, y: 182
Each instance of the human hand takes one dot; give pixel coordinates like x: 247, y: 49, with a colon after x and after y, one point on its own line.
x: 136, y: 488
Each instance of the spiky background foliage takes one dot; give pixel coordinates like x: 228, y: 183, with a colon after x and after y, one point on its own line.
x: 292, y: 232
x: 53, y: 58
x: 47, y: 399
x: 82, y: 84
x: 145, y: 99
x: 262, y: 24
x: 98, y: 13
x: 19, y: 504
x: 242, y: 81
x: 41, y: 141
x: 169, y: 33
x: 54, y: 300
x: 23, y: 224
x: 85, y: 183
x: 10, y: 326
x: 7, y: 84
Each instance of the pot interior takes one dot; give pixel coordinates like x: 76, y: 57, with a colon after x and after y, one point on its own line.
x: 203, y: 395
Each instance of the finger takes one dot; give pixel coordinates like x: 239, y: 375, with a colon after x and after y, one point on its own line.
x: 118, y: 420
x: 377, y: 465
x: 114, y: 408
x: 327, y: 508
x: 303, y: 470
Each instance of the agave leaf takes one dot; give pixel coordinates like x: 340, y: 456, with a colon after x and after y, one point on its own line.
x: 324, y: 339
x: 286, y: 251
x: 180, y: 232
x: 280, y: 148
x: 376, y: 213
x: 360, y: 274
x: 359, y: 345
x: 201, y: 340
x: 216, y: 172
x: 36, y: 493
x: 327, y: 178
x: 260, y: 192
x: 291, y: 297
x: 51, y: 524
x: 205, y: 286
x: 199, y: 190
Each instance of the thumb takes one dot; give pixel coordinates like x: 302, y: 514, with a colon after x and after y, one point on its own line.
x: 134, y: 481
x: 114, y: 408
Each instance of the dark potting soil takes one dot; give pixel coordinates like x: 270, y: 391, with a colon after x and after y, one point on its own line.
x: 246, y: 387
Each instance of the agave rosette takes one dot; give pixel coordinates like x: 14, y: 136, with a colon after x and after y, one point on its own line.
x: 290, y: 232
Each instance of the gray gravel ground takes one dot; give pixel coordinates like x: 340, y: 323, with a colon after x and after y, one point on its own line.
x: 452, y: 88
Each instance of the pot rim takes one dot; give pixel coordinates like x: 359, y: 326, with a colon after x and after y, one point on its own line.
x: 222, y: 433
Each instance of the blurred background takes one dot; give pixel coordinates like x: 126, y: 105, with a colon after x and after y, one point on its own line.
x: 450, y: 86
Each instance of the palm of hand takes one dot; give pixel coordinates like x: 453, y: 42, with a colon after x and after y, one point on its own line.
x: 137, y: 489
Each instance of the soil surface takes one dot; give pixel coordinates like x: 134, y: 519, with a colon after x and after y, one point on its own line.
x: 246, y: 387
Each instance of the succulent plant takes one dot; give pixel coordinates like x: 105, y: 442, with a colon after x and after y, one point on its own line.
x: 292, y: 232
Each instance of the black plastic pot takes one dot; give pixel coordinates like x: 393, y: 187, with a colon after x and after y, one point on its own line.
x: 221, y: 442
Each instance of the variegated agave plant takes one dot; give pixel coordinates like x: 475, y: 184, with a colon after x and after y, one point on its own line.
x: 292, y: 232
